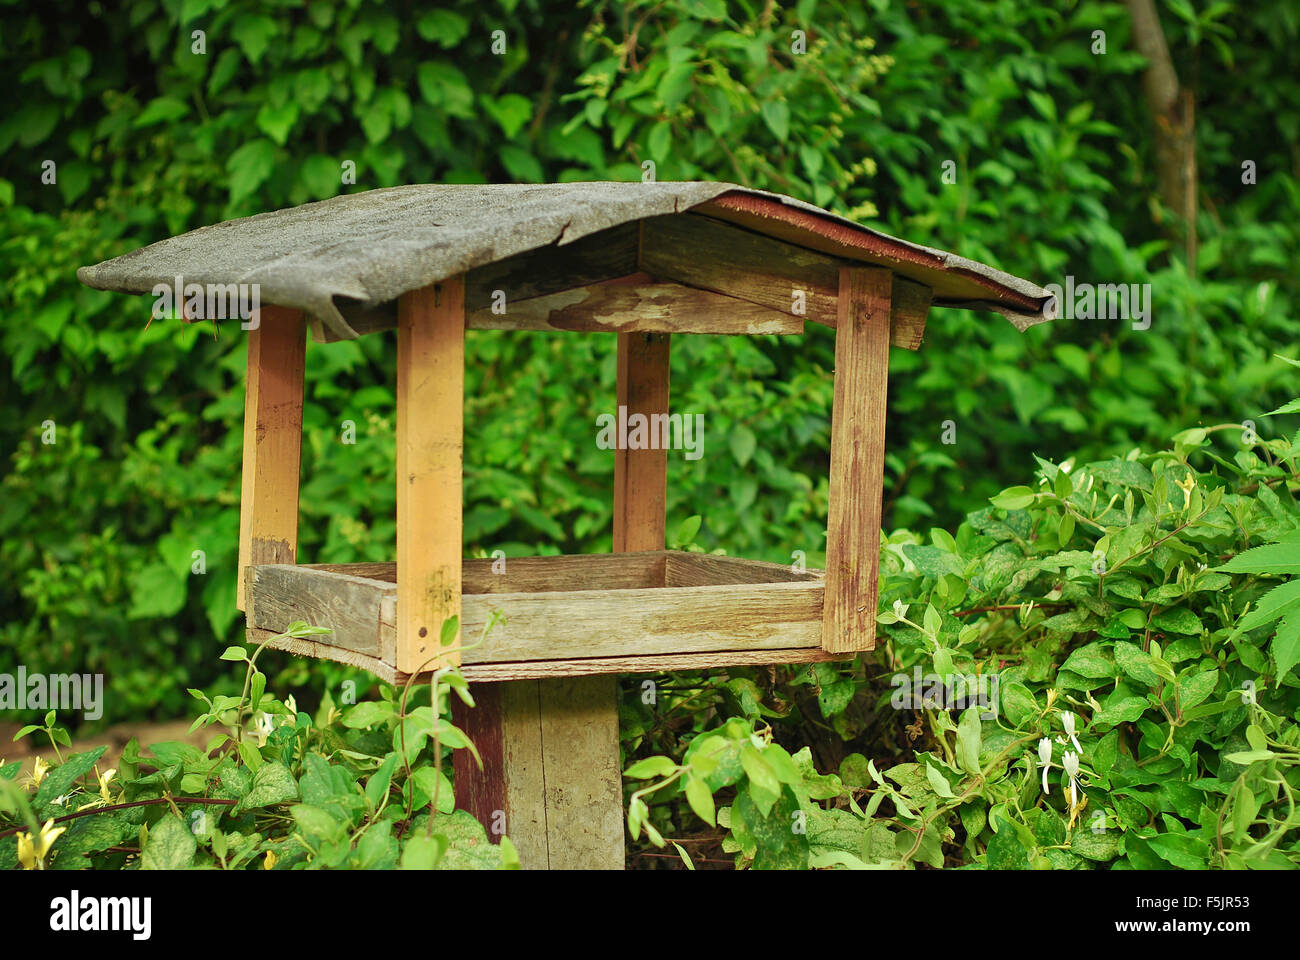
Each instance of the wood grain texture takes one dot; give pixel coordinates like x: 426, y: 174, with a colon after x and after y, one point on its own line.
x: 663, y: 663
x: 583, y: 783
x: 703, y: 252
x: 542, y: 669
x: 534, y: 273
x: 641, y: 305
x: 481, y: 791
x: 641, y: 476
x: 430, y: 465
x: 684, y: 569
x: 268, y: 506
x: 550, y: 778
x: 710, y: 604
x: 909, y: 307
x: 353, y: 607
x: 857, y: 459
x: 594, y: 623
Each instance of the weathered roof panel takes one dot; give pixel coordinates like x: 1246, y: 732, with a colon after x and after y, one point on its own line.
x: 374, y: 246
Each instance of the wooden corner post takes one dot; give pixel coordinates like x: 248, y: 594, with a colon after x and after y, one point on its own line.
x: 862, y: 334
x: 430, y: 465
x: 268, y: 505
x: 641, y: 476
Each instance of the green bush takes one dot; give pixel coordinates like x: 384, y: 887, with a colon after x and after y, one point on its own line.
x: 1138, y: 617
x: 1053, y: 159
x: 360, y: 787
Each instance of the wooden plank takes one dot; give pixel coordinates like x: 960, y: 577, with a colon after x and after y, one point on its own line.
x: 641, y: 476
x: 583, y: 780
x: 352, y: 607
x: 599, y: 571
x: 638, y: 304
x: 857, y: 459
x: 909, y: 306
x: 548, y: 779
x: 702, y: 252
x: 268, y: 507
x: 717, y: 256
x: 706, y: 569
x: 535, y: 574
x: 430, y: 464
x: 756, y: 611
x: 593, y: 623
x: 660, y: 663
x: 543, y: 669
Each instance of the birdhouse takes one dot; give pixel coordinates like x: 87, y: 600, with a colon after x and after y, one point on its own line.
x: 644, y: 262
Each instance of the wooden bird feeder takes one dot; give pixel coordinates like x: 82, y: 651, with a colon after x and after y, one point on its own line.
x: 643, y: 262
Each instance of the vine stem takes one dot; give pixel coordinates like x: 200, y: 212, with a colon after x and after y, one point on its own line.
x: 136, y: 803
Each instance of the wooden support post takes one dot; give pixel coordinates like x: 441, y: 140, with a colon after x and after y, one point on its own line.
x: 550, y: 779
x: 641, y: 476
x: 430, y: 463
x: 268, y: 506
x: 857, y: 459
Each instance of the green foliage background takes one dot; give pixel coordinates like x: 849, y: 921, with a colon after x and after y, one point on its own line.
x: 1053, y: 152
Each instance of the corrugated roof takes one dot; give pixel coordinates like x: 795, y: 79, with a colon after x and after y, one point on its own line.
x: 374, y: 246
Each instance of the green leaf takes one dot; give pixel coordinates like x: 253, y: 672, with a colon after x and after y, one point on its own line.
x: 743, y: 443
x: 423, y: 852
x: 969, y: 738
x: 234, y: 653
x: 1013, y: 498
x: 688, y: 529
x: 272, y: 783
x: 444, y: 26
x: 777, y: 117
x: 59, y: 781
x: 1286, y: 644
x: 156, y: 592
x: 170, y: 846
x: 367, y: 713
x: 651, y: 767
x: 700, y: 797
x: 249, y: 166
x: 1273, y: 558
x: 1183, y: 851
x: 253, y: 33
x: 939, y: 782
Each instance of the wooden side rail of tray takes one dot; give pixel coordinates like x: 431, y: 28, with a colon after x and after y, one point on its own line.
x: 562, y: 615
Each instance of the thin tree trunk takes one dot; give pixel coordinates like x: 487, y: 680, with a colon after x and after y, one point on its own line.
x: 1173, y: 111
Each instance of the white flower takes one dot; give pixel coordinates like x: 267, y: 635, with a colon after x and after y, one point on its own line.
x: 1067, y: 721
x: 60, y: 801
x: 1045, y: 757
x: 263, y: 727
x: 1071, y: 764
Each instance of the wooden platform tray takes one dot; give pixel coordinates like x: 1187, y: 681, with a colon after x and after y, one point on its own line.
x: 563, y: 616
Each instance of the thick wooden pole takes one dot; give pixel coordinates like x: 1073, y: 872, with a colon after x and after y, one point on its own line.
x: 857, y: 459
x: 268, y: 506
x: 550, y: 779
x: 430, y: 464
